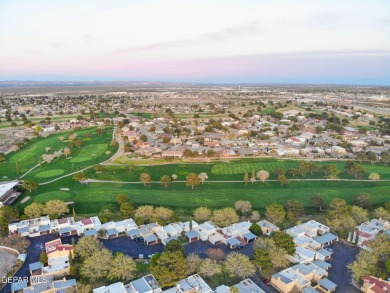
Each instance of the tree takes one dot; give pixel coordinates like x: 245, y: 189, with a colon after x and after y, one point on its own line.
x: 318, y: 201
x: 294, y: 171
x: 275, y: 213
x: 209, y: 267
x: 262, y: 259
x: 246, y: 178
x: 282, y: 179
x: 34, y: 210
x: 16, y: 242
x: 256, y: 229
x: 361, y: 156
x: 278, y: 258
x: 122, y: 268
x: 203, y: 176
x: 385, y: 157
x: 331, y: 170
x: 193, y: 263
x: 98, y: 168
x: 3, y: 226
x: 9, y: 213
x: 169, y: 269
x: 144, y: 213
x: 87, y: 246
x: 121, y: 198
x: 131, y: 167
x: 380, y: 246
x: 47, y: 149
x: 312, y: 167
x: 215, y: 253
x: 303, y: 167
x: 2, y: 157
x: 145, y: 178
x: 374, y: 176
x: 174, y: 246
x: 358, y: 214
x: 225, y: 217
x: 202, y: 214
x: 43, y: 257
x: 80, y: 176
x: 97, y: 265
x: 363, y: 200
x: 192, y: 180
x: 163, y: 214
x: 364, y: 265
x: 253, y: 177
x: 283, y: 240
x: 143, y: 138
x: 371, y: 156
x: 165, y: 180
x: 382, y: 213
x: 262, y: 175
x: 338, y: 215
x: 255, y: 216
x: 67, y: 152
x: 243, y: 206
x: 294, y: 210
x: 126, y: 209
x: 174, y: 177
x: 239, y: 265
x: 280, y: 171
x: 55, y: 207
x: 29, y: 185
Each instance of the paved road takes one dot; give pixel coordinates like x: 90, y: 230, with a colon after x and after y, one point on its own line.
x: 343, y: 255
x: 33, y: 252
x: 339, y: 274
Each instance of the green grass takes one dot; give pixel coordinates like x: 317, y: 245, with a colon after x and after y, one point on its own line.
x: 143, y: 115
x: 93, y: 198
x: 92, y: 152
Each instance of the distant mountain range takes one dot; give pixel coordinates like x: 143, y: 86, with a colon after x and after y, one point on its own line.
x: 18, y: 83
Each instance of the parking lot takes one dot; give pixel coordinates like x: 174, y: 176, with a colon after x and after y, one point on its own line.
x: 343, y: 255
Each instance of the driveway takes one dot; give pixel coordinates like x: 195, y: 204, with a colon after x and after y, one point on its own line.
x: 131, y: 248
x: 339, y: 273
x: 33, y: 252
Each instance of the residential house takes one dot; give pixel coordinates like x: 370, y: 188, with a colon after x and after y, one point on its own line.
x: 31, y: 228
x: 146, y: 284
x: 64, y: 226
x: 112, y: 288
x: 45, y: 284
x: 375, y: 285
x: 205, y: 230
x: 326, y: 285
x: 248, y: 286
x: 89, y: 226
x: 191, y: 284
x: 289, y: 280
x: 370, y: 229
x: 58, y: 256
x: 267, y: 227
x: 148, y: 233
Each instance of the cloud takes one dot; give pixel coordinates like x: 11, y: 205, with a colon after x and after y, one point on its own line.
x: 228, y: 33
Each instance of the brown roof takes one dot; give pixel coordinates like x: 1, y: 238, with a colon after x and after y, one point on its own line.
x: 87, y: 221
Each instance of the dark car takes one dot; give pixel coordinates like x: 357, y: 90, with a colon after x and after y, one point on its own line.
x: 266, y: 281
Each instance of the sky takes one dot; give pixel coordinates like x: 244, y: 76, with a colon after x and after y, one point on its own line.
x: 212, y: 41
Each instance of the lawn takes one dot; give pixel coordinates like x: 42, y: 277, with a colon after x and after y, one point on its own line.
x: 93, y: 198
x: 93, y: 151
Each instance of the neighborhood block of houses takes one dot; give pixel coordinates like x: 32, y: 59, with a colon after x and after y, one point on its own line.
x: 310, y: 257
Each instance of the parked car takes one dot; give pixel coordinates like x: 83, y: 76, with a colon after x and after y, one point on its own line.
x: 266, y: 281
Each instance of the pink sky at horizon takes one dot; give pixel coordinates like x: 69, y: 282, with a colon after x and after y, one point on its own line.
x: 254, y: 41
